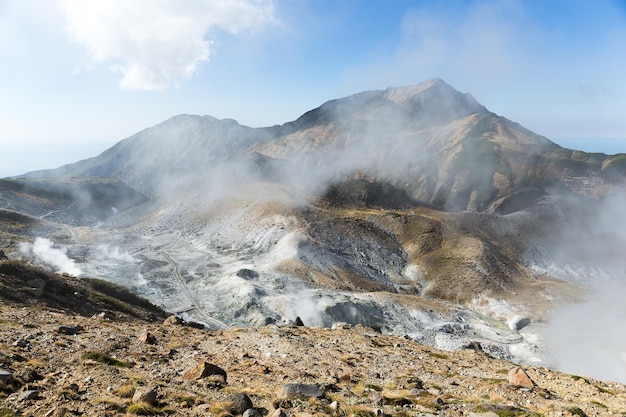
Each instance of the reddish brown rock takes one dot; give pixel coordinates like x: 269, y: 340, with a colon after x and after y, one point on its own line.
x: 147, y: 338
x: 172, y: 321
x: 203, y: 370
x: 519, y: 378
x: 145, y: 395
x: 279, y: 412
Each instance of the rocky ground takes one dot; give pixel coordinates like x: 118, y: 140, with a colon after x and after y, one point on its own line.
x: 85, y: 358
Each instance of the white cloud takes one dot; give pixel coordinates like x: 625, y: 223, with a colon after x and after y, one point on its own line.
x: 154, y: 44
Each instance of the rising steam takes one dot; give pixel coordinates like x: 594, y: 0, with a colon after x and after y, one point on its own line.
x: 586, y: 337
x: 56, y: 258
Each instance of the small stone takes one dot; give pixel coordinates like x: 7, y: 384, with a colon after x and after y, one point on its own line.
x: 246, y: 273
x: 57, y: 412
x: 28, y: 375
x: 146, y: 395
x: 518, y: 322
x: 279, y: 412
x: 23, y: 343
x: 105, y: 315
x: 28, y: 395
x: 519, y: 378
x: 69, y: 330
x: 375, y: 398
x: 203, y: 370
x: 298, y: 322
x: 147, y: 338
x: 172, y: 321
x: 334, y: 405
x: 240, y: 403
x: 5, y: 374
x: 299, y: 391
x: 203, y: 409
x: 341, y: 326
x: 252, y: 412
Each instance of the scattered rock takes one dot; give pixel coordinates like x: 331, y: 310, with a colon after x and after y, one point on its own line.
x: 28, y: 375
x: 146, y: 395
x: 28, y: 395
x: 519, y: 378
x: 203, y: 370
x: 147, y: 338
x: 104, y: 315
x: 299, y: 391
x: 3, y: 256
x: 240, y: 403
x: 246, y: 273
x: 375, y: 398
x: 69, y: 330
x: 518, y: 322
x: 279, y: 412
x: 341, y: 326
x: 23, y: 343
x: 57, y: 412
x: 172, y: 321
x: 5, y: 374
x: 297, y: 322
x: 203, y: 409
x: 473, y: 345
x: 252, y: 412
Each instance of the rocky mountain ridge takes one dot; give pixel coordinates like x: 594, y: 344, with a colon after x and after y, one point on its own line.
x: 439, y: 145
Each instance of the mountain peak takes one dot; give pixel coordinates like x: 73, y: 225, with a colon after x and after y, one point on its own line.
x: 434, y: 102
x: 401, y: 95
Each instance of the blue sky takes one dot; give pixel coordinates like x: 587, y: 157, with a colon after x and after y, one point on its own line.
x: 77, y: 77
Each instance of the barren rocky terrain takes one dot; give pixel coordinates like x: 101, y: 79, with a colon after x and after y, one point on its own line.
x: 83, y: 358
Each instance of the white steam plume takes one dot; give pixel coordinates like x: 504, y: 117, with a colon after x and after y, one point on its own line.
x: 43, y: 249
x: 587, y: 337
x: 109, y: 252
x: 154, y: 44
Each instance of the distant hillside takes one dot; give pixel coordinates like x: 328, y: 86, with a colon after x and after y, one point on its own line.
x: 75, y: 201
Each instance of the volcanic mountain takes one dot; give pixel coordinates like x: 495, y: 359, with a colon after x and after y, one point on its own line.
x: 414, y: 210
x: 439, y: 145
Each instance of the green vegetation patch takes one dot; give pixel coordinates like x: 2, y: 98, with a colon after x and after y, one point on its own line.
x: 143, y: 409
x: 106, y: 359
x: 577, y: 411
x: 505, y: 410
